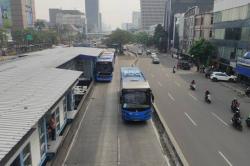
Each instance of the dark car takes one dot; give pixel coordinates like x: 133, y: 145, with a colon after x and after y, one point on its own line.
x: 156, y: 61
x: 184, y: 65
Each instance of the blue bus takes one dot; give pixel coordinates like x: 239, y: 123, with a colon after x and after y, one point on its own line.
x: 105, y: 66
x: 136, y: 97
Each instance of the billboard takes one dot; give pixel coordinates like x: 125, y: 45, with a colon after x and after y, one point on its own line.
x: 5, y: 13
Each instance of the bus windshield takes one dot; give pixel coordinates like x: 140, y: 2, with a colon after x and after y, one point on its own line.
x: 136, y: 100
x: 104, y: 67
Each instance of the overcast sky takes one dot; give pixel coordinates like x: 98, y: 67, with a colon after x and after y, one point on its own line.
x: 114, y: 12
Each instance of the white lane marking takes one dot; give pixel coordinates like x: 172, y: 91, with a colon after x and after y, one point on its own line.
x: 171, y: 97
x: 152, y: 75
x: 193, y: 96
x: 119, y: 151
x: 159, y: 83
x: 222, y: 121
x: 158, y: 139
x: 224, y: 157
x: 177, y: 83
x: 192, y: 121
x: 77, y: 131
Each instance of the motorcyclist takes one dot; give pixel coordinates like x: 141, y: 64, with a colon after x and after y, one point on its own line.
x: 235, y: 104
x: 206, y: 94
x: 192, y: 85
x: 174, y: 69
x: 193, y: 82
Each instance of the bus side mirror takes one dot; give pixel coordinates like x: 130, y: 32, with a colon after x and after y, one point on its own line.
x: 153, y: 98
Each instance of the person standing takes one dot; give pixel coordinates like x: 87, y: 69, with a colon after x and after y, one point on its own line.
x: 52, y: 127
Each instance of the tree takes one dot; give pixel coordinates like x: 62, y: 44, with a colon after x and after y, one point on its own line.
x: 160, y: 38
x: 3, y: 38
x: 143, y: 38
x: 39, y: 25
x: 119, y: 37
x: 202, y: 51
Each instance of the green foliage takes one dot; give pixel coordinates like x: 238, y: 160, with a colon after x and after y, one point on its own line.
x: 160, y: 38
x: 3, y: 38
x: 20, y: 36
x: 202, y: 51
x: 143, y: 38
x: 119, y: 36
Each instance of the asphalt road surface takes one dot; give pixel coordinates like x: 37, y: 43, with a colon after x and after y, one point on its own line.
x: 203, y: 132
x: 103, y: 139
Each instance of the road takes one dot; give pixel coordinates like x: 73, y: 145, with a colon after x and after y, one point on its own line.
x: 103, y: 139
x: 203, y: 132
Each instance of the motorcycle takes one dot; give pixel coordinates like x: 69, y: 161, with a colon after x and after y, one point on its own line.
x: 235, y: 108
x: 248, y: 92
x: 193, y: 87
x: 208, y: 99
x: 237, y: 123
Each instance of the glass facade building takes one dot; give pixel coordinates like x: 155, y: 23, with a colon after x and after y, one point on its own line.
x: 232, y: 32
x: 232, y: 36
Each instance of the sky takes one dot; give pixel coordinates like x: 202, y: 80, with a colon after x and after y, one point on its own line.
x: 114, y: 12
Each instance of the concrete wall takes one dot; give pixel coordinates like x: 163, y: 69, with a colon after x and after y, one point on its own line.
x: 227, y: 4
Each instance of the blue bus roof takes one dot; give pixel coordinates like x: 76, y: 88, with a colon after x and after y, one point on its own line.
x: 133, y: 78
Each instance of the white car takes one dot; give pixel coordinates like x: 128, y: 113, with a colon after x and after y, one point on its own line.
x: 153, y: 55
x: 220, y: 76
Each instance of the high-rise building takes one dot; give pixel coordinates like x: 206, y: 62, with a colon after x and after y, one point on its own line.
x: 92, y: 14
x: 17, y: 14
x: 136, y: 19
x: 127, y: 26
x: 152, y: 12
x: 100, y: 22
x: 173, y: 7
x: 23, y: 13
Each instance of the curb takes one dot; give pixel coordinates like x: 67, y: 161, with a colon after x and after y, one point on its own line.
x: 171, y: 137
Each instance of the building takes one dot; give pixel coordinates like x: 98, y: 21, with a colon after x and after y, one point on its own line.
x: 178, y: 31
x: 203, y: 26
x: 152, y: 12
x: 136, y: 19
x: 92, y: 15
x: 100, y: 22
x: 40, y: 96
x: 189, y: 28
x: 196, y: 26
x: 72, y: 19
x: 127, y: 26
x: 232, y: 34
x: 173, y: 7
x: 17, y: 14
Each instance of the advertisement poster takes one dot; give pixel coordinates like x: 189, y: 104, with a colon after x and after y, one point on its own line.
x: 5, y: 20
